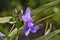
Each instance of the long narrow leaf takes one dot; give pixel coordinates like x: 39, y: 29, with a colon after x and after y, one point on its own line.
x: 49, y: 35
x: 44, y: 18
x: 46, y: 27
x: 41, y: 8
x: 49, y: 30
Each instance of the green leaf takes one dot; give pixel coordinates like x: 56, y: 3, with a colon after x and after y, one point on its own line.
x: 16, y: 37
x: 49, y: 30
x: 1, y: 28
x: 12, y: 22
x: 14, y: 32
x: 46, y: 27
x: 43, y: 7
x: 44, y: 18
x: 49, y: 35
x: 5, y: 19
x: 21, y: 29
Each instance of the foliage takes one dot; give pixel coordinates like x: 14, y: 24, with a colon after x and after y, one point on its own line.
x: 18, y: 26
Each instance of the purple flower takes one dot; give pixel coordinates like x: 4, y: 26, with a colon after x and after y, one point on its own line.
x: 27, y: 16
x: 29, y: 25
x: 1, y: 36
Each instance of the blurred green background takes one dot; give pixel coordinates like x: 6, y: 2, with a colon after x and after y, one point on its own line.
x: 6, y: 9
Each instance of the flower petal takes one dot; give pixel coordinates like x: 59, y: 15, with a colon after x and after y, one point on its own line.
x: 26, y: 30
x: 27, y: 18
x: 28, y: 11
x: 28, y: 15
x: 33, y: 27
x: 1, y: 36
x: 24, y: 18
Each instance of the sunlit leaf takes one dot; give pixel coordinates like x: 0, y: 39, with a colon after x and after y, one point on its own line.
x: 4, y: 19
x: 46, y: 27
x: 49, y: 30
x: 12, y: 22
